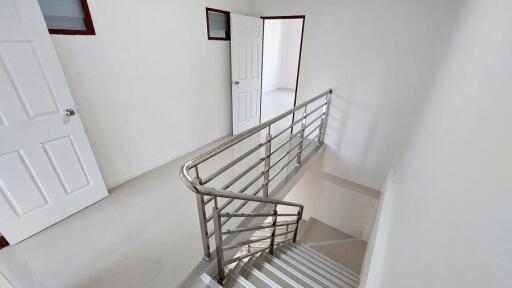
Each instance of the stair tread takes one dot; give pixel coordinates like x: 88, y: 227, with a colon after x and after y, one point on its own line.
x: 292, y: 265
x: 311, y: 273
x: 325, y: 259
x: 274, y: 273
x: 320, y: 266
x: 299, y: 277
x: 254, y: 276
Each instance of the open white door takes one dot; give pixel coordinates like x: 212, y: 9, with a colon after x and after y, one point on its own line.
x: 246, y: 53
x: 47, y: 168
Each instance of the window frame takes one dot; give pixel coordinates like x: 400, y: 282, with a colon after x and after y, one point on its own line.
x: 228, y: 32
x: 89, y: 26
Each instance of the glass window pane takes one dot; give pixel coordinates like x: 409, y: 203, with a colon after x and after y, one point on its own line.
x: 218, y: 24
x: 63, y: 14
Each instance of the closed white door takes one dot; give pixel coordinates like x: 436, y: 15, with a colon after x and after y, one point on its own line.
x: 47, y: 168
x: 246, y: 53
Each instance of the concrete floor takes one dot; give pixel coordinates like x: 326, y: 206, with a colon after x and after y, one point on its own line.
x: 133, y: 238
x: 145, y: 234
x: 275, y: 102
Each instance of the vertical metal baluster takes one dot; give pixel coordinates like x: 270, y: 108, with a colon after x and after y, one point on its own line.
x: 323, y: 122
x: 274, y: 223
x: 218, y: 242
x: 268, y: 150
x: 201, y: 209
x: 301, y: 136
x: 299, y: 217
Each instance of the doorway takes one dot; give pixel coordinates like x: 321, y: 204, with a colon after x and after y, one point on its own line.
x: 282, y: 49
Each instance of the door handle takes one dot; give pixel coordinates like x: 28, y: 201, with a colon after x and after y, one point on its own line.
x: 235, y: 82
x: 69, y: 112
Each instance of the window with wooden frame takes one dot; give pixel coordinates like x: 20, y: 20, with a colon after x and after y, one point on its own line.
x: 217, y: 24
x: 67, y: 17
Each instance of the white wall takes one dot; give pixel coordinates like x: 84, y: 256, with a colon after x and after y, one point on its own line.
x: 342, y: 204
x: 380, y: 57
x: 281, y: 52
x: 149, y: 86
x: 452, y: 208
x: 272, y: 51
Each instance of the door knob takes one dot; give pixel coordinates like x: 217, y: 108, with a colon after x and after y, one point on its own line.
x: 236, y: 82
x: 69, y: 112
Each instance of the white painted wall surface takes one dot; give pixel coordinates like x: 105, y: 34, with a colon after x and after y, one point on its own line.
x: 292, y: 32
x: 281, y: 53
x: 342, y: 204
x: 149, y: 86
x: 452, y: 208
x: 380, y: 57
x: 272, y: 51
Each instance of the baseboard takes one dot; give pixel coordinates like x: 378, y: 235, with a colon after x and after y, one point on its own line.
x: 3, y: 242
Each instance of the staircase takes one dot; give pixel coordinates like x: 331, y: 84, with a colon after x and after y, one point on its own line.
x: 252, y: 231
x: 292, y: 265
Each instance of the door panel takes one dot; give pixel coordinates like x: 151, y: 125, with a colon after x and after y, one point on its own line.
x: 47, y: 168
x: 246, y: 52
x: 67, y: 163
x: 19, y: 186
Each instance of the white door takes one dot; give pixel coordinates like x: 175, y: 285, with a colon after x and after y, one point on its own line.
x: 246, y: 53
x: 47, y: 169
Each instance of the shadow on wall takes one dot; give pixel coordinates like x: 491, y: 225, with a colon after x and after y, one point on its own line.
x: 382, y: 60
x: 343, y: 204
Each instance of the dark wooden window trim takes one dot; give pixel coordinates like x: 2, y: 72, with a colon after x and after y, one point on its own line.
x: 228, y: 33
x: 3, y: 242
x: 89, y: 27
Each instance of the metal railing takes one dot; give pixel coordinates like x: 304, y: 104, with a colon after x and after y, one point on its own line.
x: 265, y: 170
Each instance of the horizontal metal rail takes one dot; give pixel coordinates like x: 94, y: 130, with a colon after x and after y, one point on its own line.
x: 254, y: 215
x: 236, y: 259
x: 244, y: 243
x: 248, y: 133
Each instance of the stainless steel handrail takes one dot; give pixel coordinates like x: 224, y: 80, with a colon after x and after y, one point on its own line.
x: 219, y: 217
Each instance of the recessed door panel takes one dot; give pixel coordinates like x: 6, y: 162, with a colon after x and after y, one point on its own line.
x: 22, y: 67
x: 67, y: 163
x: 255, y: 62
x: 19, y: 185
x: 242, y: 67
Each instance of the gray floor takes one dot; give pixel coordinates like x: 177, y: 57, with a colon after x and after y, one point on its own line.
x: 145, y: 234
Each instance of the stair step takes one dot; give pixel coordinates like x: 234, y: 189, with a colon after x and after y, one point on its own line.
x: 326, y: 260
x: 291, y: 272
x: 291, y: 266
x: 237, y: 280
x: 256, y: 277
x: 302, y: 268
x: 279, y: 277
x: 319, y: 266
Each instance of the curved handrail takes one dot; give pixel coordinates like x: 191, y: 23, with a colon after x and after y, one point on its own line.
x: 194, y: 185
